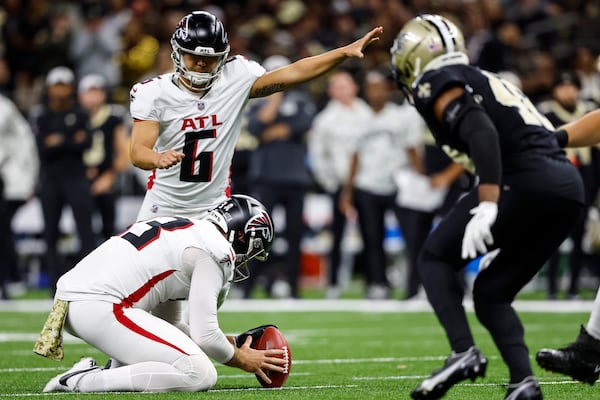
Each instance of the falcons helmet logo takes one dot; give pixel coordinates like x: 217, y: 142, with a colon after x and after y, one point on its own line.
x: 261, y: 224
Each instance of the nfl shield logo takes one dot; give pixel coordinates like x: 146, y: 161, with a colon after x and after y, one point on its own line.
x: 200, y: 105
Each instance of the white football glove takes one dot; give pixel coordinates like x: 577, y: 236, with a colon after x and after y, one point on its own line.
x: 478, y: 230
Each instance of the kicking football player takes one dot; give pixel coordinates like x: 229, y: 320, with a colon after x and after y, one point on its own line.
x: 526, y: 201
x: 108, y: 298
x: 580, y: 359
x: 187, y: 123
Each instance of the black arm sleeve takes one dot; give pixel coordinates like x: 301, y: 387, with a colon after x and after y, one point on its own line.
x: 469, y: 121
x: 562, y: 137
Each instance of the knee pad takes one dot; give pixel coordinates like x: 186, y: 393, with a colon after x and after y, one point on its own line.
x: 201, y: 373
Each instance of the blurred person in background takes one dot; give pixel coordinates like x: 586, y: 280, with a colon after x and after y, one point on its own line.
x: 23, y: 25
x: 107, y: 155
x: 61, y: 129
x: 19, y: 171
x: 330, y: 150
x: 278, y: 172
x: 54, y: 43
x: 566, y: 106
x: 97, y: 42
x: 586, y: 66
x: 389, y: 138
x: 137, y: 57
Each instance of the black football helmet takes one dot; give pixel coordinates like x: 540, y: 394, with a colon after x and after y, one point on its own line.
x: 199, y: 33
x: 248, y: 227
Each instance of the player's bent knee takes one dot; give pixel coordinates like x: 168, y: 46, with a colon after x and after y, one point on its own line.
x: 200, y: 371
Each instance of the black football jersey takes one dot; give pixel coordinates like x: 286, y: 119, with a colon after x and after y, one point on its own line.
x: 102, y: 126
x: 528, y: 148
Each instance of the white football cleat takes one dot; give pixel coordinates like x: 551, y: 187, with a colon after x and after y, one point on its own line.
x: 67, y: 381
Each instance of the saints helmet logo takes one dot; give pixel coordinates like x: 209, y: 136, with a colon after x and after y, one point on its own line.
x: 424, y: 90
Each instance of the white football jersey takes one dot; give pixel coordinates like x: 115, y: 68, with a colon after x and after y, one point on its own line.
x: 143, y: 266
x: 331, y: 141
x: 205, y: 129
x: 382, y: 146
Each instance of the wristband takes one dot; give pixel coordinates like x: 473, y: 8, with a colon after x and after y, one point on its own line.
x: 562, y: 137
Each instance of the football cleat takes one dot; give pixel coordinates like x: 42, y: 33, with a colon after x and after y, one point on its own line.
x: 459, y: 366
x: 579, y: 360
x: 67, y: 382
x: 527, y: 389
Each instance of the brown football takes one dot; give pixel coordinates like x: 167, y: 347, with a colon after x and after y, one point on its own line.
x: 272, y: 338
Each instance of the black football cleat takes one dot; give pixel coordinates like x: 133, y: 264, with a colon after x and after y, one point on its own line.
x: 527, y: 389
x: 579, y: 360
x: 459, y: 366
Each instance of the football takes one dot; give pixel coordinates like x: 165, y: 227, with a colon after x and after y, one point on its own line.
x: 272, y: 338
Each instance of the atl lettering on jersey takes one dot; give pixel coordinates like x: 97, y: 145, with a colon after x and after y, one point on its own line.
x: 200, y: 122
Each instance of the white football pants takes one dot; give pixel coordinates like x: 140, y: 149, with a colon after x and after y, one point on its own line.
x: 156, y: 356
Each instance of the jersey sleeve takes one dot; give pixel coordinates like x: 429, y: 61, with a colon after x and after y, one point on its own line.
x: 254, y: 69
x: 206, y: 284
x: 142, y: 98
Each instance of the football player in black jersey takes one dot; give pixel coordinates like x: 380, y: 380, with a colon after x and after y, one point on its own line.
x: 525, y: 202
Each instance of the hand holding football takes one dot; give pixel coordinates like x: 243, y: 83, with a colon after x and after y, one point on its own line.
x: 272, y: 338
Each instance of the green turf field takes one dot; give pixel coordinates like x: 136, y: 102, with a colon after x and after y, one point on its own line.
x: 336, y: 355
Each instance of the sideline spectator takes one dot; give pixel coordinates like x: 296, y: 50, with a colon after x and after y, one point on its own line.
x: 107, y: 156
x: 566, y: 106
x: 330, y: 150
x: 19, y: 171
x: 389, y: 139
x: 279, y: 173
x: 62, y: 137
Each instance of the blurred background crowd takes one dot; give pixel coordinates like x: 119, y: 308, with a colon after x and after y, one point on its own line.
x: 548, y: 48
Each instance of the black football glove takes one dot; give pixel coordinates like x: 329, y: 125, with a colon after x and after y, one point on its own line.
x: 254, y: 332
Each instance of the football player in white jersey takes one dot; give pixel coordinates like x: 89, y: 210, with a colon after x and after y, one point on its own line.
x: 186, y: 123
x: 110, y: 296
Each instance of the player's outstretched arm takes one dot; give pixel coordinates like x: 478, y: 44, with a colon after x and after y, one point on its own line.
x: 311, y: 67
x: 143, y: 138
x: 584, y: 131
x: 256, y: 361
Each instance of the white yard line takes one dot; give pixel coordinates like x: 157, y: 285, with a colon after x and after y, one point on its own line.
x: 367, y: 306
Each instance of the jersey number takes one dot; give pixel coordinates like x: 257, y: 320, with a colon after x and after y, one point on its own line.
x: 509, y: 95
x: 196, y: 167
x: 152, y: 231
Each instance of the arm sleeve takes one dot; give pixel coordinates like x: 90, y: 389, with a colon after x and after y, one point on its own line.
x: 206, y: 284
x: 469, y: 121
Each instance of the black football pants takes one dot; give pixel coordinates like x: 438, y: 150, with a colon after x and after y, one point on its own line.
x: 529, y: 227
x: 57, y: 191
